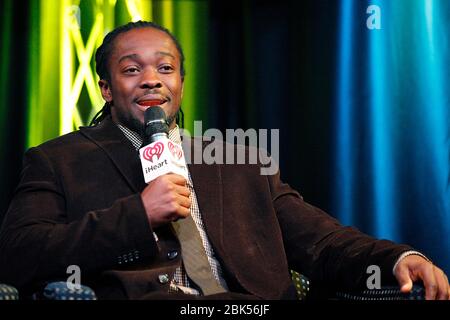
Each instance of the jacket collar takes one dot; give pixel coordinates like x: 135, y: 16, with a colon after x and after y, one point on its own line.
x: 119, y: 149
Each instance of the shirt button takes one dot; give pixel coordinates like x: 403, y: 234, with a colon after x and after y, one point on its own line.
x: 163, y: 278
x: 172, y: 254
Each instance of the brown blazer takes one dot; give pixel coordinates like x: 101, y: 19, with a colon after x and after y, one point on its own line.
x: 78, y: 203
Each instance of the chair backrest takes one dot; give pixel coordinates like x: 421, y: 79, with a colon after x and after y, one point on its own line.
x: 59, y: 290
x: 301, y: 283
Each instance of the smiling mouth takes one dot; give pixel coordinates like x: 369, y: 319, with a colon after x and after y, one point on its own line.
x: 151, y: 102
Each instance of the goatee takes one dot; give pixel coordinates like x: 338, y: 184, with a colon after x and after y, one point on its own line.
x: 137, y: 126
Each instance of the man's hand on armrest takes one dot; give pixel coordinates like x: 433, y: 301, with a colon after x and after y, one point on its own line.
x: 413, y: 267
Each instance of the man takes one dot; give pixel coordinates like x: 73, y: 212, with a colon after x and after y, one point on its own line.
x: 82, y: 201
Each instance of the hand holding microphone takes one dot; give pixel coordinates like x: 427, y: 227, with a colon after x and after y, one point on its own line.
x: 166, y: 198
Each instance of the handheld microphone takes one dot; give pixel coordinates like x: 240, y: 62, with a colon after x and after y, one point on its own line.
x: 160, y: 155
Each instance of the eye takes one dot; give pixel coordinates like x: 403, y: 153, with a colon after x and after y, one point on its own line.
x: 166, y: 68
x: 131, y: 70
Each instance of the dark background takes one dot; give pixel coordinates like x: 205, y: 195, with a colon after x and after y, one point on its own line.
x: 272, y: 65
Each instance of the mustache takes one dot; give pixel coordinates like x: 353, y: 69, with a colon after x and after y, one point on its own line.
x: 154, y: 91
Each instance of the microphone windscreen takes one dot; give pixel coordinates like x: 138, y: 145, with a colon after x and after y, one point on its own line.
x: 154, y: 113
x: 155, y: 122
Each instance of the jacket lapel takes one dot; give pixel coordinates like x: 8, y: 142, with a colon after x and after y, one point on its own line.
x: 119, y: 149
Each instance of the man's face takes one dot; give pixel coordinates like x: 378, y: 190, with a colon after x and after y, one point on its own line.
x: 144, y: 68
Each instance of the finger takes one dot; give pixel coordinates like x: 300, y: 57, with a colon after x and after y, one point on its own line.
x: 183, y: 201
x: 442, y: 282
x: 429, y: 282
x: 177, y: 179
x: 448, y: 287
x: 182, y: 213
x: 181, y: 190
x: 404, y: 279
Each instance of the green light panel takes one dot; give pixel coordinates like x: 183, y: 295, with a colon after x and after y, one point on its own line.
x: 63, y: 90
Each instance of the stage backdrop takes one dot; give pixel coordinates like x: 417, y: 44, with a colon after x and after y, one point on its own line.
x: 359, y: 89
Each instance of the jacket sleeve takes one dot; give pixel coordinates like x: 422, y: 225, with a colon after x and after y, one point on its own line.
x: 38, y: 242
x: 327, y: 252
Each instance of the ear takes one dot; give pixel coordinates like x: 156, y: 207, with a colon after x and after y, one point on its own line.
x: 106, y: 90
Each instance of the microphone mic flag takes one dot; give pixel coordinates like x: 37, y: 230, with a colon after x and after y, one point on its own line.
x: 160, y: 155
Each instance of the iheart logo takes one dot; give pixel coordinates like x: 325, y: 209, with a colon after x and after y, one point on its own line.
x: 151, y: 151
x: 175, y: 150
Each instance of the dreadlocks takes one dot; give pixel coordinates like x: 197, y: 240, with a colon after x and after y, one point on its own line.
x: 104, y: 52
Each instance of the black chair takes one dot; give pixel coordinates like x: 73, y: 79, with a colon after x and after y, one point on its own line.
x: 8, y: 292
x: 60, y: 290
x: 301, y: 283
x: 389, y: 293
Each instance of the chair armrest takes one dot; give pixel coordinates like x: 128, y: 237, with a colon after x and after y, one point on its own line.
x: 8, y: 292
x: 385, y: 293
x: 303, y: 287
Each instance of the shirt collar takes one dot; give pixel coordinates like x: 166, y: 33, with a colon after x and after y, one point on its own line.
x: 136, y: 139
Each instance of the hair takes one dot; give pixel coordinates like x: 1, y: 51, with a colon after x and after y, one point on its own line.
x: 103, y: 55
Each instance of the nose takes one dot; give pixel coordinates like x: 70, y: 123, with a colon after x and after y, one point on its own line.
x: 150, y: 80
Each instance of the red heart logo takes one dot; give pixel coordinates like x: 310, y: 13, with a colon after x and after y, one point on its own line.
x: 151, y: 151
x: 175, y: 150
